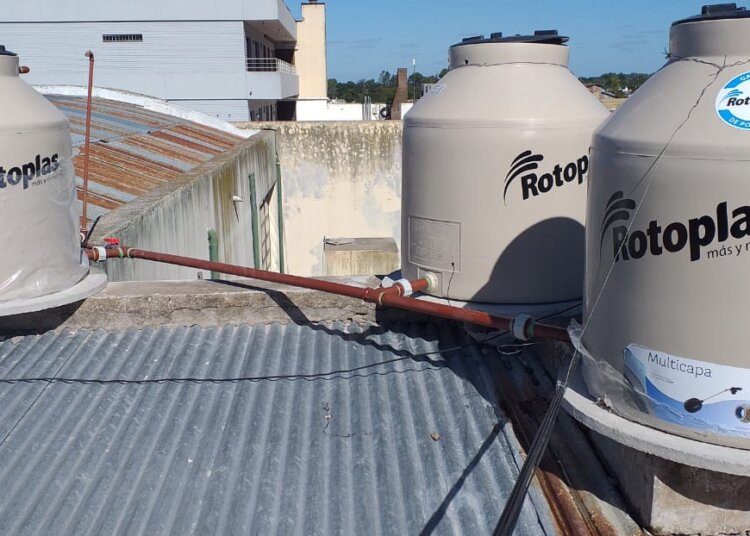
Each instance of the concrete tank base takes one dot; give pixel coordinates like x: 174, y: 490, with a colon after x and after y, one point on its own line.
x: 95, y: 281
x: 674, y: 485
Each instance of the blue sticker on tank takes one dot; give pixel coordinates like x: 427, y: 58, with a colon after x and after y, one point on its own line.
x: 733, y: 102
x: 695, y: 394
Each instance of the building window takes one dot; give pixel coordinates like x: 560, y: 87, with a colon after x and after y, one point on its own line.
x: 122, y: 38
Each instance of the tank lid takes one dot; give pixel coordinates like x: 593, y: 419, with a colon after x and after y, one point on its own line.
x: 4, y: 52
x: 717, y: 12
x: 546, y: 37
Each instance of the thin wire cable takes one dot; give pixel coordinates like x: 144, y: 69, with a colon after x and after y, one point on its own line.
x: 341, y: 374
x: 509, y: 518
x: 647, y: 173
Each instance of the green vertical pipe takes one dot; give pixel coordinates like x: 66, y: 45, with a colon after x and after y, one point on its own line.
x: 254, y: 222
x: 280, y: 199
x: 213, y: 250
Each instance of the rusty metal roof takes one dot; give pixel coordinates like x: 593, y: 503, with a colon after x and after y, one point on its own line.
x: 134, y: 150
x: 278, y: 429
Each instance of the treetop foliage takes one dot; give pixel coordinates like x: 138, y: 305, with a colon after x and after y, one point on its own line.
x: 382, y: 89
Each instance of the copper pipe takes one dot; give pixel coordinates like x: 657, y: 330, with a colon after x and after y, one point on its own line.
x: 380, y: 296
x: 374, y: 295
x: 85, y: 195
x: 417, y: 285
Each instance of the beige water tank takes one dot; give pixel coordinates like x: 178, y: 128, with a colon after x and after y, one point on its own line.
x: 39, y: 237
x: 495, y: 162
x: 668, y: 239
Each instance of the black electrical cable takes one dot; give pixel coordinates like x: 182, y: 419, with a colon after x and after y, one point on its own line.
x: 344, y: 374
x: 85, y: 243
x: 558, y: 313
x: 509, y: 517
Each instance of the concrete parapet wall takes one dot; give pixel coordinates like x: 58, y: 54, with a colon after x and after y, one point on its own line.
x: 361, y: 256
x: 340, y: 179
x: 175, y: 218
x: 201, y: 303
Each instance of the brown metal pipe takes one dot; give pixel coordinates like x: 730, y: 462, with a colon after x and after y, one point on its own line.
x: 418, y: 285
x: 374, y: 295
x: 390, y: 296
x: 86, y: 144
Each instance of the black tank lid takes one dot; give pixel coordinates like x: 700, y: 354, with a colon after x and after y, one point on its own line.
x: 4, y: 52
x: 545, y: 37
x: 717, y: 12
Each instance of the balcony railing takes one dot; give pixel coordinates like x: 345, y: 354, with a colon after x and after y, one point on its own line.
x: 270, y: 65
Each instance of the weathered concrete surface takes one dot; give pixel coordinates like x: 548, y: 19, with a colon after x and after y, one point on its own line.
x: 597, y: 417
x: 673, y: 484
x: 361, y: 256
x: 174, y: 218
x: 203, y: 303
x: 340, y: 179
x: 672, y: 498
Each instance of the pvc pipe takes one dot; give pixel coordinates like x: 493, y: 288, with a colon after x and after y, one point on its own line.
x: 254, y: 221
x: 213, y: 250
x: 380, y: 296
x: 280, y: 201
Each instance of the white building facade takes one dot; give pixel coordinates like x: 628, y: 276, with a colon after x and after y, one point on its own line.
x: 232, y: 59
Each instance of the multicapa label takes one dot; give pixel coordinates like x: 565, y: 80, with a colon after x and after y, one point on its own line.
x: 25, y: 174
x: 733, y: 102
x: 524, y: 168
x: 703, y: 235
x: 695, y: 394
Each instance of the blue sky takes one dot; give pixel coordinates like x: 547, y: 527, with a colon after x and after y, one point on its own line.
x: 365, y: 38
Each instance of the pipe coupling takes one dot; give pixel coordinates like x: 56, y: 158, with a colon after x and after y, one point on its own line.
x: 522, y: 327
x: 406, y: 287
x: 101, y: 253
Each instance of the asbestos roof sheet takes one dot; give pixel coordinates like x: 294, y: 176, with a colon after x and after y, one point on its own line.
x: 134, y: 150
x: 278, y: 429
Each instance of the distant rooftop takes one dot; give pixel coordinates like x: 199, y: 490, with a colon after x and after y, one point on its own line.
x: 135, y: 150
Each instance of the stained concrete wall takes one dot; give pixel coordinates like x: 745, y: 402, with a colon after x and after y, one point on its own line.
x: 175, y: 218
x: 340, y: 180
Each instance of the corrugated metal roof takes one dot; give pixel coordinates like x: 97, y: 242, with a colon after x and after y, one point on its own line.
x: 317, y: 429
x: 135, y: 150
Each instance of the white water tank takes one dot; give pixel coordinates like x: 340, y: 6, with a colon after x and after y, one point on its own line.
x: 39, y: 239
x: 495, y: 161
x: 668, y: 239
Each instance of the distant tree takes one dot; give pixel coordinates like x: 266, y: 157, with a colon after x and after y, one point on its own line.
x: 333, y: 88
x: 382, y: 89
x: 617, y: 83
x: 416, y: 81
x: 387, y: 79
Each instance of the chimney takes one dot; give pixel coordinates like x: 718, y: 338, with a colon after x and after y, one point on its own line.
x: 402, y: 93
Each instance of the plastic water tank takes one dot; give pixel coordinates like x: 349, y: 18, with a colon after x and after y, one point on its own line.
x: 668, y: 239
x: 39, y: 237
x: 495, y: 161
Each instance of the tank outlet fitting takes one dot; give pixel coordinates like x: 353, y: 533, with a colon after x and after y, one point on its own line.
x: 522, y: 327
x: 432, y: 281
